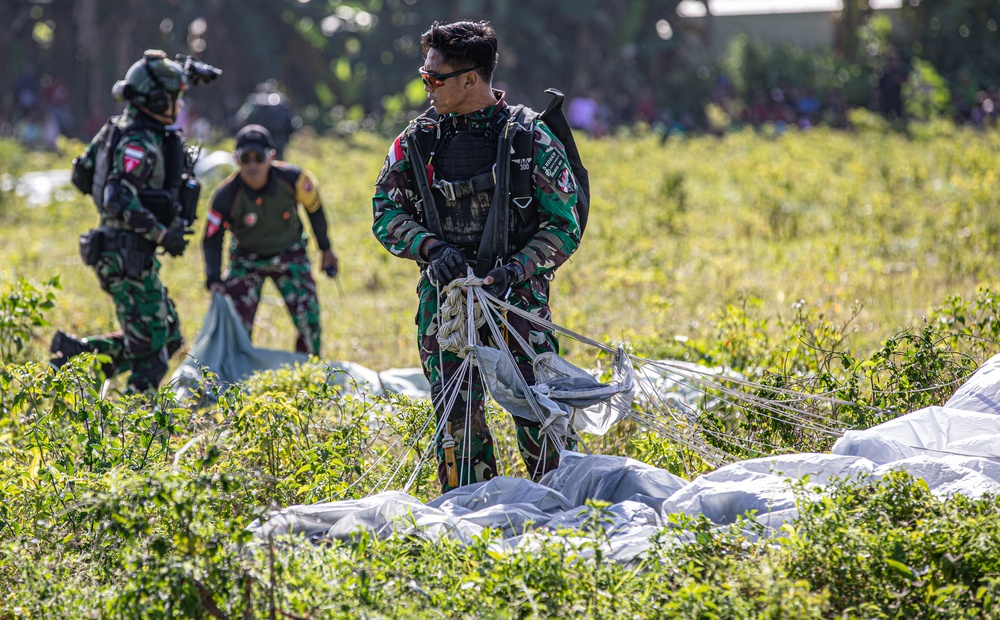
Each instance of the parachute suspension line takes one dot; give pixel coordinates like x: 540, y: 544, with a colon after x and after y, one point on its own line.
x: 491, y: 320
x: 703, y: 382
x: 794, y: 396
x: 690, y: 374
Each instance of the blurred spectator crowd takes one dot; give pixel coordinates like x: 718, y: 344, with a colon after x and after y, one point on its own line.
x: 37, y: 110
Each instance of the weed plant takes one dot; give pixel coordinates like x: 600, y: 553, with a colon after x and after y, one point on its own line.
x: 856, y: 267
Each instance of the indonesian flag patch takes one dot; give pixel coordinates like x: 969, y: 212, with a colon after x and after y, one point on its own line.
x: 396, y: 152
x: 133, y: 157
x: 565, y: 182
x: 214, y: 222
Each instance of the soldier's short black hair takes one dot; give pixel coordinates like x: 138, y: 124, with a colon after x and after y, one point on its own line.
x: 464, y: 44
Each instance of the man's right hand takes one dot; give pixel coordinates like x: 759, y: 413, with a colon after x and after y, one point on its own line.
x: 174, y: 242
x: 217, y: 287
x: 445, y: 263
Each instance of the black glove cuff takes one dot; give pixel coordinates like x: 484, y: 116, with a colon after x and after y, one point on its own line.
x: 516, y: 272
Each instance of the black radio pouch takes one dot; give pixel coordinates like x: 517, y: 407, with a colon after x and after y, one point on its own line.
x: 187, y: 198
x: 82, y: 175
x: 91, y: 245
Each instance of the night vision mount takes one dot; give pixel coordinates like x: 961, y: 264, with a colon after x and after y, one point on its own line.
x: 197, y: 71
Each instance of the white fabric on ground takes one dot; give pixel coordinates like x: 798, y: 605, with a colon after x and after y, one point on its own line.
x: 224, y: 348
x: 954, y: 450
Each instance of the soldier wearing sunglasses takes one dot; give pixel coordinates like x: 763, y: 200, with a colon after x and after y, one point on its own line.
x: 456, y: 146
x: 259, y: 206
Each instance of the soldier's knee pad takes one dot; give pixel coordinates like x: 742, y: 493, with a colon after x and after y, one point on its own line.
x: 147, y: 372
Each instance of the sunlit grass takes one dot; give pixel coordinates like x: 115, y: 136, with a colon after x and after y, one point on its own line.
x: 677, y: 231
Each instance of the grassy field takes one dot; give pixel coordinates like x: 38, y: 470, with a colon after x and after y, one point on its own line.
x: 679, y: 231
x: 853, y: 264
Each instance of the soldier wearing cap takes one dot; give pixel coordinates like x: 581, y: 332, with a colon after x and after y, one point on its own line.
x: 258, y: 205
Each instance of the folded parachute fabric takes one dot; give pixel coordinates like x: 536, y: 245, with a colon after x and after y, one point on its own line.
x: 566, y: 395
x: 224, y: 348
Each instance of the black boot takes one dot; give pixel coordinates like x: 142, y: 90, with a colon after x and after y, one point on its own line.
x: 64, y: 346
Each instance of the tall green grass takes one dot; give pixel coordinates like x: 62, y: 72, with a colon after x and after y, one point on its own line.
x: 825, y: 220
x: 853, y: 264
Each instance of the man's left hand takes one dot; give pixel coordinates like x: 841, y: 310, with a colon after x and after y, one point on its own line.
x: 498, y: 281
x: 330, y: 264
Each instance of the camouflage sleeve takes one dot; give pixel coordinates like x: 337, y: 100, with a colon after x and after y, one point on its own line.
x: 135, y: 161
x: 89, y: 154
x: 395, y: 205
x: 558, y: 233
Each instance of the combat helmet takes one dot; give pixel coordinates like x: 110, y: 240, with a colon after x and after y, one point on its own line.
x: 154, y: 82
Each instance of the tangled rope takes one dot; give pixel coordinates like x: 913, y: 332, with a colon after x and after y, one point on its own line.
x: 453, y: 329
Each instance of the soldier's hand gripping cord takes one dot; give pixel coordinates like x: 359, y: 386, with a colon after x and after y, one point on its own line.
x: 331, y: 264
x: 174, y: 241
x: 502, y: 279
x: 445, y: 263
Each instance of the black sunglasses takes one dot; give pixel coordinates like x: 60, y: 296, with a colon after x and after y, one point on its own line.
x: 435, y: 80
x: 257, y: 157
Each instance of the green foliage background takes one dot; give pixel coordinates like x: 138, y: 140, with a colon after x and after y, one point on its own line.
x: 855, y: 264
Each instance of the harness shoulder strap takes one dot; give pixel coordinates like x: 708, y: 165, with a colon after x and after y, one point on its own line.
x: 420, y: 139
x: 522, y: 164
x: 493, y: 245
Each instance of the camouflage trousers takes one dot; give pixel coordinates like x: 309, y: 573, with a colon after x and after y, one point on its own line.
x: 291, y: 272
x: 474, y: 451
x: 150, y: 328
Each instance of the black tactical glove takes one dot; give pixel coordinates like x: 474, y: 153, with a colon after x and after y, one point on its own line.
x: 503, y: 278
x: 446, y: 263
x: 174, y: 242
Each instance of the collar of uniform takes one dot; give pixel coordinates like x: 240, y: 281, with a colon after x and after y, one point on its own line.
x: 135, y: 117
x: 268, y: 188
x: 485, y: 114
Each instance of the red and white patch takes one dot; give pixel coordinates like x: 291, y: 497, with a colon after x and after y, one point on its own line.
x: 250, y: 219
x: 133, y: 157
x: 214, y: 222
x: 396, y: 151
x: 565, y: 182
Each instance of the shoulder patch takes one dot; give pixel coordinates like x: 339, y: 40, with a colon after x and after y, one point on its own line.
x: 553, y: 164
x: 307, y: 192
x: 565, y: 183
x: 133, y: 157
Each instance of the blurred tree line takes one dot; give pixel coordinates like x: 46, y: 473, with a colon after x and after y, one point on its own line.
x: 354, y: 62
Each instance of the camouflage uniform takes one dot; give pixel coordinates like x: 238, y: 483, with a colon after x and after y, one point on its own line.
x: 150, y: 325
x: 400, y: 227
x: 269, y: 242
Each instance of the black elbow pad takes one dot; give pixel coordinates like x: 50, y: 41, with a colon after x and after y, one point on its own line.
x: 116, y: 198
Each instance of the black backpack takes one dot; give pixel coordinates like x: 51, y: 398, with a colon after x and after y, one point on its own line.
x: 556, y: 121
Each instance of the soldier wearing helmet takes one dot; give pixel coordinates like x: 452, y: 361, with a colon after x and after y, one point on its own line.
x: 140, y: 177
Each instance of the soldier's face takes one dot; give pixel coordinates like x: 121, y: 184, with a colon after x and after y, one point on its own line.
x: 254, y: 165
x: 448, y: 95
